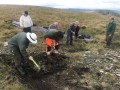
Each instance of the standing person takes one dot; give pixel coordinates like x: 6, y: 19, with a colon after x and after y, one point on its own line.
x: 77, y: 31
x: 110, y: 31
x: 18, y: 45
x: 70, y: 32
x: 53, y: 26
x: 52, y: 38
x: 26, y: 22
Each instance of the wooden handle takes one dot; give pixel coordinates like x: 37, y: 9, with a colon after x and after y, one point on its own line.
x: 36, y: 64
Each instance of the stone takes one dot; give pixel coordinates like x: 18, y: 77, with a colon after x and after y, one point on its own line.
x: 66, y: 88
x: 73, y: 81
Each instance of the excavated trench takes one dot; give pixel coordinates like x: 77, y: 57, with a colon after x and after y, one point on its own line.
x: 58, y: 73
x: 47, y: 77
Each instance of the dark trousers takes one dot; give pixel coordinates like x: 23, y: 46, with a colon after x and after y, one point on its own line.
x: 69, y: 39
x: 108, y: 39
x: 76, y: 35
x: 18, y: 58
x: 27, y: 29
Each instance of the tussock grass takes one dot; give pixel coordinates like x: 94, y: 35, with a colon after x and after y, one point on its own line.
x: 95, y: 23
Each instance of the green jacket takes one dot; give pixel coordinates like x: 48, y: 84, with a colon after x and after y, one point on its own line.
x: 51, y: 34
x: 111, y: 27
x: 20, y: 43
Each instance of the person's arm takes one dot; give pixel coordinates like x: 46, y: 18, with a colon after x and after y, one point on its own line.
x: 49, y: 27
x: 31, y: 22
x: 70, y: 28
x: 23, y: 51
x: 57, y: 27
x: 21, y: 22
x: 23, y: 45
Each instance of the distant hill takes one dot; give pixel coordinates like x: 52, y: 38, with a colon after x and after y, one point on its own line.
x: 81, y: 10
x: 109, y: 12
x: 102, y: 11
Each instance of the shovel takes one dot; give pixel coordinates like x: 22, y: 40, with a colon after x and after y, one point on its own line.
x: 36, y: 64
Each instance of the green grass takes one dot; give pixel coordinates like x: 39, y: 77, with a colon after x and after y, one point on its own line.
x: 96, y: 27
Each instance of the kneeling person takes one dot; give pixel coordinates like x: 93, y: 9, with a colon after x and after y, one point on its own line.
x: 52, y: 38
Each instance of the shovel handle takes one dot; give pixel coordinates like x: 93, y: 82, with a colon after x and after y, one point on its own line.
x: 36, y: 64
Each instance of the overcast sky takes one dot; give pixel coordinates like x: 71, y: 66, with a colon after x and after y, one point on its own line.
x: 91, y: 4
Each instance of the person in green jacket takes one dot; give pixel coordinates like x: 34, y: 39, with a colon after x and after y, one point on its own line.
x: 18, y: 45
x: 52, y: 38
x: 110, y: 31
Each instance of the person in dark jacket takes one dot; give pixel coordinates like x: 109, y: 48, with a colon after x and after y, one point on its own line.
x: 110, y: 31
x: 70, y: 32
x: 52, y: 38
x: 18, y: 45
x: 77, y: 31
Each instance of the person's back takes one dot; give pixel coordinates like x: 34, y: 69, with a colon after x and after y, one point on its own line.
x: 18, y: 40
x: 51, y: 34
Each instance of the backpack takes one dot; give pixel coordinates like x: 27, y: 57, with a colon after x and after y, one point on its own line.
x: 83, y: 36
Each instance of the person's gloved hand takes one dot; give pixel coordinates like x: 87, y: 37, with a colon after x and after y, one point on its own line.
x: 48, y: 53
x: 73, y: 33
x: 30, y: 58
x: 56, y: 52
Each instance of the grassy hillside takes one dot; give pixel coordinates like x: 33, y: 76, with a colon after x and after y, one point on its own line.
x: 109, y: 12
x: 90, y: 64
x: 95, y: 22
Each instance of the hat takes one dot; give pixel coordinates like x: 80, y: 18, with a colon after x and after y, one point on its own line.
x: 32, y: 37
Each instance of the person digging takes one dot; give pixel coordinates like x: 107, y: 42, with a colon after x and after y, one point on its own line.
x: 52, y: 38
x: 18, y: 45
